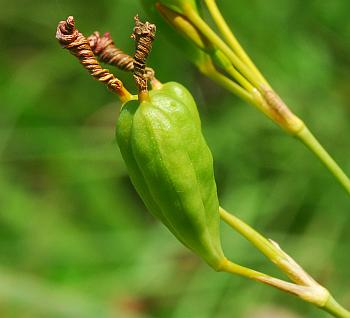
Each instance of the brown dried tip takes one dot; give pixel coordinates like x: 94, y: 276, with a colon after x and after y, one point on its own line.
x: 144, y: 34
x: 71, y: 39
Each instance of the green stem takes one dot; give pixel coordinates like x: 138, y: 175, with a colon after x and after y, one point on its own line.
x: 231, y: 39
x: 270, y: 249
x: 305, y: 286
x: 260, y: 242
x: 223, y: 62
x: 309, y: 294
x: 335, y: 309
x: 243, y: 65
x: 205, y: 29
x: 287, y: 120
x: 234, y: 88
x: 295, y: 127
x: 211, y: 72
x: 233, y: 268
x: 301, y: 131
x: 311, y: 142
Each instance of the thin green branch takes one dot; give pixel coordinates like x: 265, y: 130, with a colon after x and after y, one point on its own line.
x: 312, y: 143
x: 295, y: 289
x: 269, y: 248
x: 231, y: 39
x: 265, y: 98
x: 223, y: 62
x: 305, y: 287
x: 260, y: 242
x: 335, y: 309
x: 205, y: 29
x: 210, y: 71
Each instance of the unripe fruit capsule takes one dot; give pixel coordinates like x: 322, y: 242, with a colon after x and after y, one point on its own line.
x: 171, y: 167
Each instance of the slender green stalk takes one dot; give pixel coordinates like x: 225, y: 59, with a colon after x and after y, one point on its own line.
x: 252, y: 99
x: 312, y: 143
x: 223, y: 62
x: 230, y: 70
x: 314, y: 294
x: 335, y: 309
x: 227, y: 83
x: 205, y: 29
x: 260, y: 242
x: 297, y: 128
x: 305, y: 287
x: 233, y: 268
x: 269, y: 248
x: 264, y: 98
x: 254, y: 88
x: 235, y: 74
x: 231, y: 39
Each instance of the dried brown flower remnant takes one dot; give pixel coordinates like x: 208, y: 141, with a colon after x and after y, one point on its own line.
x: 71, y: 39
x: 107, y: 52
x: 105, y: 49
x: 144, y: 34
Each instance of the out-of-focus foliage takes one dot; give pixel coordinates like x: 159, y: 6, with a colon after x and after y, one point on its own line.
x: 76, y: 240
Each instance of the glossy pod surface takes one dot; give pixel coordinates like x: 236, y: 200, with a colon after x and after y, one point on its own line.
x: 171, y: 167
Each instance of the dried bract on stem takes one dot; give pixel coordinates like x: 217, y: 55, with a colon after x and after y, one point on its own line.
x: 144, y: 34
x: 281, y: 112
x: 71, y: 39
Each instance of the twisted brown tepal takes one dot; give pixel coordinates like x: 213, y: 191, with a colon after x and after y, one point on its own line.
x: 107, y: 52
x: 144, y: 34
x: 71, y: 39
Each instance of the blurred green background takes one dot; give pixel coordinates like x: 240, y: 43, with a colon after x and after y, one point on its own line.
x: 76, y: 241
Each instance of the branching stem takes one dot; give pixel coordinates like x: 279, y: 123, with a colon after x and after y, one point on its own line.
x: 304, y: 286
x: 231, y: 39
x: 201, y: 25
x: 306, y: 137
x: 263, y: 96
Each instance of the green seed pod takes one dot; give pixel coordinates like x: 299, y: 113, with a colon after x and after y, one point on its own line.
x: 171, y: 167
x: 179, y: 92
